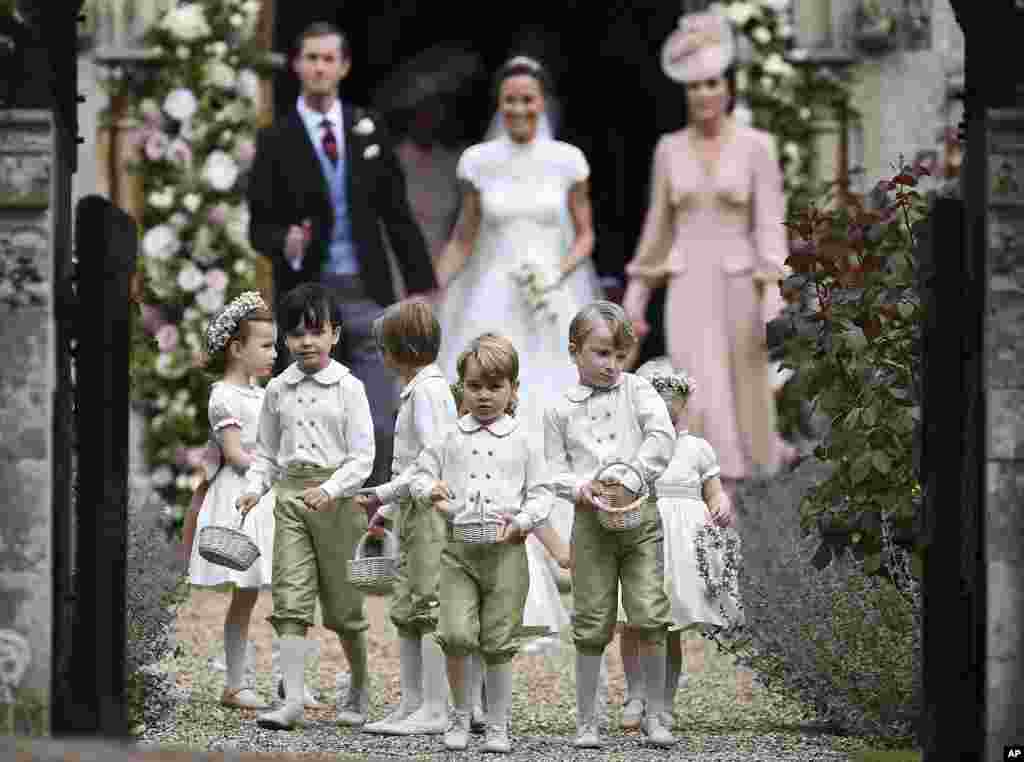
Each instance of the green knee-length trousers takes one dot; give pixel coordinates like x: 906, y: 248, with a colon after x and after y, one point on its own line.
x: 415, y: 602
x: 311, y: 554
x: 604, y: 559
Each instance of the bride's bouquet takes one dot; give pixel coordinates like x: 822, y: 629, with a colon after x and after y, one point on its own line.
x: 535, y: 286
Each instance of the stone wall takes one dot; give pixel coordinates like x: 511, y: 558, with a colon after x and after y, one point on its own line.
x: 1004, y: 384
x: 27, y: 374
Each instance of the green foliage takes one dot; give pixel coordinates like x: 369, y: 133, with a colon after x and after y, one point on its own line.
x: 857, y: 348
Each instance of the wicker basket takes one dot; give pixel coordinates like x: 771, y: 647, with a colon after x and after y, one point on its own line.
x: 375, y: 574
x: 625, y: 507
x: 228, y: 547
x: 480, y: 530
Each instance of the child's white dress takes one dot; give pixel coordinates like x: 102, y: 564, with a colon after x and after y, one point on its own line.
x: 683, y: 513
x: 232, y: 405
x: 544, y: 607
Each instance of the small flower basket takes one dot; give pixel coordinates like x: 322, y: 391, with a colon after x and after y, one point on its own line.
x: 228, y: 547
x: 624, y: 506
x: 477, y: 528
x: 374, y: 568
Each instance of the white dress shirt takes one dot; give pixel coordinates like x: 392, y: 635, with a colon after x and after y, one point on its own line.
x: 426, y: 409
x: 591, y: 427
x: 494, y: 463
x: 321, y: 419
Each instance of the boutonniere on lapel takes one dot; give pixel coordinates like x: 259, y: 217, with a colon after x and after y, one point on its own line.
x: 371, y: 151
x: 364, y: 126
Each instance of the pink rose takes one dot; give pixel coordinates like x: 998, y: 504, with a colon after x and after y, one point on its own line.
x: 180, y: 153
x: 219, y: 214
x: 245, y: 151
x: 156, y: 145
x: 152, y: 321
x: 167, y: 338
x: 217, y: 279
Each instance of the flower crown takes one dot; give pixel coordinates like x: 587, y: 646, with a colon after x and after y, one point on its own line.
x: 676, y: 383
x: 529, y: 63
x: 225, y: 323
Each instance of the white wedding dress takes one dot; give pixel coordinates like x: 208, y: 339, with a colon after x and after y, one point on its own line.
x: 524, y: 190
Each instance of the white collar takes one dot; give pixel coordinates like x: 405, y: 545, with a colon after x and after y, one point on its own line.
x: 331, y: 374
x: 581, y: 392
x: 427, y: 371
x: 500, y: 427
x: 313, y: 119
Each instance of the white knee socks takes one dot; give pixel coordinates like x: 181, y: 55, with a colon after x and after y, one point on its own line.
x: 234, y: 655
x: 652, y: 661
x: 411, y: 674
x: 636, y: 682
x: 435, y: 677
x: 588, y: 669
x: 499, y: 693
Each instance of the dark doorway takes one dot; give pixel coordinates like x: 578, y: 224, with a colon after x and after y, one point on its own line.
x: 614, y: 99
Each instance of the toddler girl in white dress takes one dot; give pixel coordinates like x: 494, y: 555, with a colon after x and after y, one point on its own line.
x: 241, y: 346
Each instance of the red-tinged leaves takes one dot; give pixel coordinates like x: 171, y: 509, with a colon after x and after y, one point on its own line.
x: 802, y: 263
x: 905, y: 179
x: 872, y: 328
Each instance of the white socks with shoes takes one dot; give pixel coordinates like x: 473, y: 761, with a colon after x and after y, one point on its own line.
x: 293, y: 658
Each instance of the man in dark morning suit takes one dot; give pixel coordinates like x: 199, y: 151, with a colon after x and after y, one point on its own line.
x: 324, y: 179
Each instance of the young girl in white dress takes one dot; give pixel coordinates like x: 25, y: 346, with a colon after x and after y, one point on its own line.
x: 690, y: 496
x: 240, y: 342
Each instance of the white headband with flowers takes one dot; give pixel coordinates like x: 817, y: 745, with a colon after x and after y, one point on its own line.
x: 225, y: 322
x: 678, y: 383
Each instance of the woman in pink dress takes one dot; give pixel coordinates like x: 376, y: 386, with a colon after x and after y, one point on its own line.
x: 714, y: 235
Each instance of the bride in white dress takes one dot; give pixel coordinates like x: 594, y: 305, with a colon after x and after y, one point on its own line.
x: 525, y: 200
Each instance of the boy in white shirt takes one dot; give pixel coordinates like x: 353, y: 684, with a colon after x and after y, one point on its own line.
x: 409, y: 336
x: 485, y: 463
x: 612, y: 416
x: 315, y: 427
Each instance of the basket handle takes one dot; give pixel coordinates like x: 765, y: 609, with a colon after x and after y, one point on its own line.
x: 631, y: 467
x: 241, y: 518
x: 387, y: 543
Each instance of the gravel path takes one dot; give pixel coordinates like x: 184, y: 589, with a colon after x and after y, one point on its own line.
x: 710, y: 723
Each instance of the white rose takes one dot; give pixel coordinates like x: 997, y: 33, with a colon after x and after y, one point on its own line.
x: 180, y: 104
x: 183, y: 52
x: 160, y: 242
x: 792, y: 150
x: 776, y: 5
x: 219, y: 48
x: 371, y: 151
x: 210, y: 300
x: 219, y: 74
x: 364, y: 126
x: 248, y: 84
x: 762, y: 35
x: 742, y: 114
x: 183, y: 482
x: 192, y: 202
x: 162, y: 199
x: 242, y: 268
x: 161, y: 476
x: 777, y: 66
x: 186, y: 22
x: 741, y: 13
x: 225, y: 137
x: 250, y: 7
x: 190, y: 278
x: 220, y: 171
x: 805, y: 113
x: 236, y: 20
x: 168, y: 368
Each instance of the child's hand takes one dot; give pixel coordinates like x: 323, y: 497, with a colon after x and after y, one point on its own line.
x: 722, y: 513
x: 590, y: 496
x: 315, y: 498
x: 445, y: 508
x: 367, y: 501
x: 441, y: 491
x: 246, y: 502
x: 566, y: 561
x: 513, y: 533
x: 376, y: 525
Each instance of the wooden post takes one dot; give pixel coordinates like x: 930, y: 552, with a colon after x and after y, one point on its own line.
x: 107, y: 243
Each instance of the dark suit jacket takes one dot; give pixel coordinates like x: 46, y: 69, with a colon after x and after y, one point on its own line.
x: 287, y: 186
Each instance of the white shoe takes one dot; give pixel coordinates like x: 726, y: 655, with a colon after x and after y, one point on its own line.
x: 421, y: 723
x: 243, y: 698
x: 587, y: 736
x: 353, y: 712
x: 456, y: 738
x: 496, y: 740
x: 386, y: 726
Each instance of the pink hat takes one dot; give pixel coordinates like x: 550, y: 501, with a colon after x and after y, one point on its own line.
x: 701, y: 48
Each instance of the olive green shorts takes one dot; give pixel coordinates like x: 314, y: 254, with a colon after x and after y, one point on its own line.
x: 483, y: 593
x: 422, y: 534
x: 311, y: 554
x: 604, y: 559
